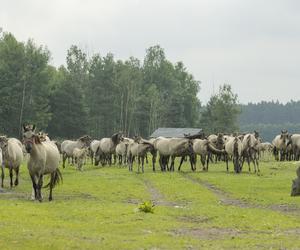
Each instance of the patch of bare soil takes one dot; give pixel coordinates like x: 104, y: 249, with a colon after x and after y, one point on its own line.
x: 226, y: 199
x: 158, y: 198
x: 207, y: 233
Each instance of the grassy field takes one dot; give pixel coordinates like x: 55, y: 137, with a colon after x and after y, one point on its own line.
x: 98, y: 209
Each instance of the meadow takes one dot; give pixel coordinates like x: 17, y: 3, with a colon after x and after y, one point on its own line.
x: 98, y: 209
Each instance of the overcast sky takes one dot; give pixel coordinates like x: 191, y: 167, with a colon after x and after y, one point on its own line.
x: 254, y: 45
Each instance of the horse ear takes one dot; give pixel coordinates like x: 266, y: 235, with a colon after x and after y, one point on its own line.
x: 24, y: 127
x: 33, y: 127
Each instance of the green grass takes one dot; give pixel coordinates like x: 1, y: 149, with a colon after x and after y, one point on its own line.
x: 98, y: 209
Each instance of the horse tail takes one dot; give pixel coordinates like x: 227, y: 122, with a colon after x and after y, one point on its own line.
x: 213, y: 149
x: 56, y: 178
x: 236, y: 147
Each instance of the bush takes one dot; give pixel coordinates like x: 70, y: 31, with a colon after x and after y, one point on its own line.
x: 146, y: 207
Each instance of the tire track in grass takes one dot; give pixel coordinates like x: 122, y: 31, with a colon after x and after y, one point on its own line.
x: 157, y: 197
x: 226, y: 199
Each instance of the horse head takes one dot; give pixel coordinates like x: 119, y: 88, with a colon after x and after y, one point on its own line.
x: 116, y: 138
x: 86, y: 140
x: 3, y: 142
x: 29, y: 137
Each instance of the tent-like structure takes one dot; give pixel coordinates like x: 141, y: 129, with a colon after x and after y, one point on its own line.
x: 174, y: 132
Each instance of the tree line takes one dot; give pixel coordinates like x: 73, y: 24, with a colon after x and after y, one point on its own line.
x: 97, y: 96
x: 100, y: 95
x: 269, y: 118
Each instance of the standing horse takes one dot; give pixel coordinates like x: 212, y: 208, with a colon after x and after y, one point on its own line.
x: 250, y: 150
x: 233, y: 149
x: 67, y: 147
x: 44, y: 159
x: 106, y: 148
x: 122, y: 148
x: 12, y: 158
x: 140, y: 149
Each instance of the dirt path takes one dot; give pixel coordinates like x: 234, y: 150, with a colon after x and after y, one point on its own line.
x: 226, y: 199
x: 158, y: 198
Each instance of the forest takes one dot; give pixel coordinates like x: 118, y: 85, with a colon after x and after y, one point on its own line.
x: 99, y: 95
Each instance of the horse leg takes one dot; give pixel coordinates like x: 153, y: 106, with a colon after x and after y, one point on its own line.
x: 139, y: 162
x: 147, y: 159
x: 153, y: 161
x: 207, y: 162
x: 143, y: 158
x: 17, y: 176
x: 2, y: 176
x: 64, y: 159
x: 11, y: 176
x: 181, y: 161
x: 51, y: 186
x: 39, y: 188
x: 226, y: 160
x: 34, y: 187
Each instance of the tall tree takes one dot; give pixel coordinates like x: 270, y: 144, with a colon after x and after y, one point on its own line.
x: 221, y: 112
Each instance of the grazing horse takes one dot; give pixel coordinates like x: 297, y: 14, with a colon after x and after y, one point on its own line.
x: 67, y: 147
x: 12, y: 158
x: 250, y: 150
x: 44, y: 159
x: 80, y: 155
x: 233, y: 149
x: 106, y: 148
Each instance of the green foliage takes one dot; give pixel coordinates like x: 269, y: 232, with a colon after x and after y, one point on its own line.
x: 221, y: 112
x: 97, y: 95
x: 146, y: 207
x: 24, y: 84
x: 269, y: 118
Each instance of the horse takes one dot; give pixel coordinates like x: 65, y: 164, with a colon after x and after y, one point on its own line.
x: 122, y: 148
x: 80, y: 157
x: 12, y: 157
x: 68, y: 146
x: 140, y: 149
x: 250, y: 150
x: 44, y: 159
x: 93, y: 148
x: 106, y: 148
x: 205, y: 148
x: 233, y: 149
x: 280, y: 143
x: 172, y: 147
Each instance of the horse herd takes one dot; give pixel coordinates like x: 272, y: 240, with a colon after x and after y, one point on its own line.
x: 44, y: 154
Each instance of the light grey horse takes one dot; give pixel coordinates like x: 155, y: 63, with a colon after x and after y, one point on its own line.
x: 68, y: 146
x: 172, y: 148
x: 233, y: 149
x: 122, y: 148
x: 106, y: 148
x: 205, y: 148
x: 280, y: 143
x: 44, y: 159
x: 12, y: 158
x: 250, y: 150
x: 139, y: 149
x: 93, y: 148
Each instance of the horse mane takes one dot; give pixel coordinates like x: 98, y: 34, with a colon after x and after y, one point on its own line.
x: 115, y: 138
x: 37, y: 139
